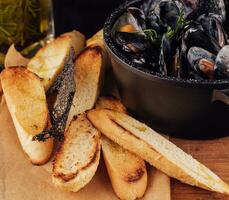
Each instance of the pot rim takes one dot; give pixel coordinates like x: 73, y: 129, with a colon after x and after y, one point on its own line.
x: 111, y: 47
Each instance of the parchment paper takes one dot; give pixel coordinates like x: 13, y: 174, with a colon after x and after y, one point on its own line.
x: 20, y: 180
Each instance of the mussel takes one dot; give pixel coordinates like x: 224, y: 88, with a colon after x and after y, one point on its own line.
x: 181, y: 38
x: 211, y: 24
x: 196, y: 36
x: 213, y: 6
x: 202, y: 62
x: 154, y: 22
x: 131, y: 21
x: 133, y: 42
x: 139, y: 48
x: 169, y: 13
x: 222, y: 63
x: 168, y: 57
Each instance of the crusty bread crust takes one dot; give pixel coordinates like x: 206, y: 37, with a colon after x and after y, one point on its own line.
x: 77, y: 160
x: 126, y: 170
x: 89, y: 71
x: 26, y: 101
x: 143, y: 141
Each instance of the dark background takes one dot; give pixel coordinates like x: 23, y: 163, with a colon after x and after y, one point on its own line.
x: 86, y: 16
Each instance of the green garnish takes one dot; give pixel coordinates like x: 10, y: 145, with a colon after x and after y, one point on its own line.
x: 181, y: 23
x: 152, y: 35
x: 155, y: 37
x: 19, y: 23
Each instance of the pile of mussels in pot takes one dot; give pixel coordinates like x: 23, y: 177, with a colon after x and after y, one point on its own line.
x: 181, y: 38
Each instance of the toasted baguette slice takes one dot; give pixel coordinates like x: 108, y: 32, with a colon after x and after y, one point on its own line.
x: 89, y: 71
x: 110, y: 103
x: 14, y: 58
x: 26, y: 101
x: 158, y: 151
x: 1, y: 88
x: 96, y: 39
x: 50, y: 60
x: 78, y: 158
x: 126, y: 170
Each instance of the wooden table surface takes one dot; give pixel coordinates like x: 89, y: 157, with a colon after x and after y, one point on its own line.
x: 215, y: 155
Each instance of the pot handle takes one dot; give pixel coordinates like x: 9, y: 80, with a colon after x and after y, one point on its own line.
x: 221, y: 95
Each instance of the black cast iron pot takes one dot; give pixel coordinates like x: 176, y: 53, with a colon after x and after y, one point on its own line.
x: 184, y: 108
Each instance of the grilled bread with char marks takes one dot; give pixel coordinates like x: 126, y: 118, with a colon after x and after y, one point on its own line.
x: 155, y: 149
x: 89, y: 71
x: 126, y: 170
x: 78, y: 158
x: 26, y: 101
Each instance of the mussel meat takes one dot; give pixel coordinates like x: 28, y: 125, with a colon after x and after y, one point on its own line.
x: 133, y: 42
x: 131, y: 21
x: 202, y: 62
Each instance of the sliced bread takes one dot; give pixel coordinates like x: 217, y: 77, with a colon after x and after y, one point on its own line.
x: 14, y: 58
x: 126, y: 170
x: 155, y: 149
x: 50, y: 60
x: 78, y: 158
x: 96, y: 39
x: 89, y: 70
x: 26, y: 101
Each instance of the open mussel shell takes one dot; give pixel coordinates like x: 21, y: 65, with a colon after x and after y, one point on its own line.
x: 134, y: 17
x: 213, y: 27
x: 213, y: 6
x: 222, y: 63
x: 197, y: 53
x: 133, y: 42
x: 202, y: 62
x: 195, y: 36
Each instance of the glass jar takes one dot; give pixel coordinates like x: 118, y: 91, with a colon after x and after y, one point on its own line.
x: 26, y: 23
